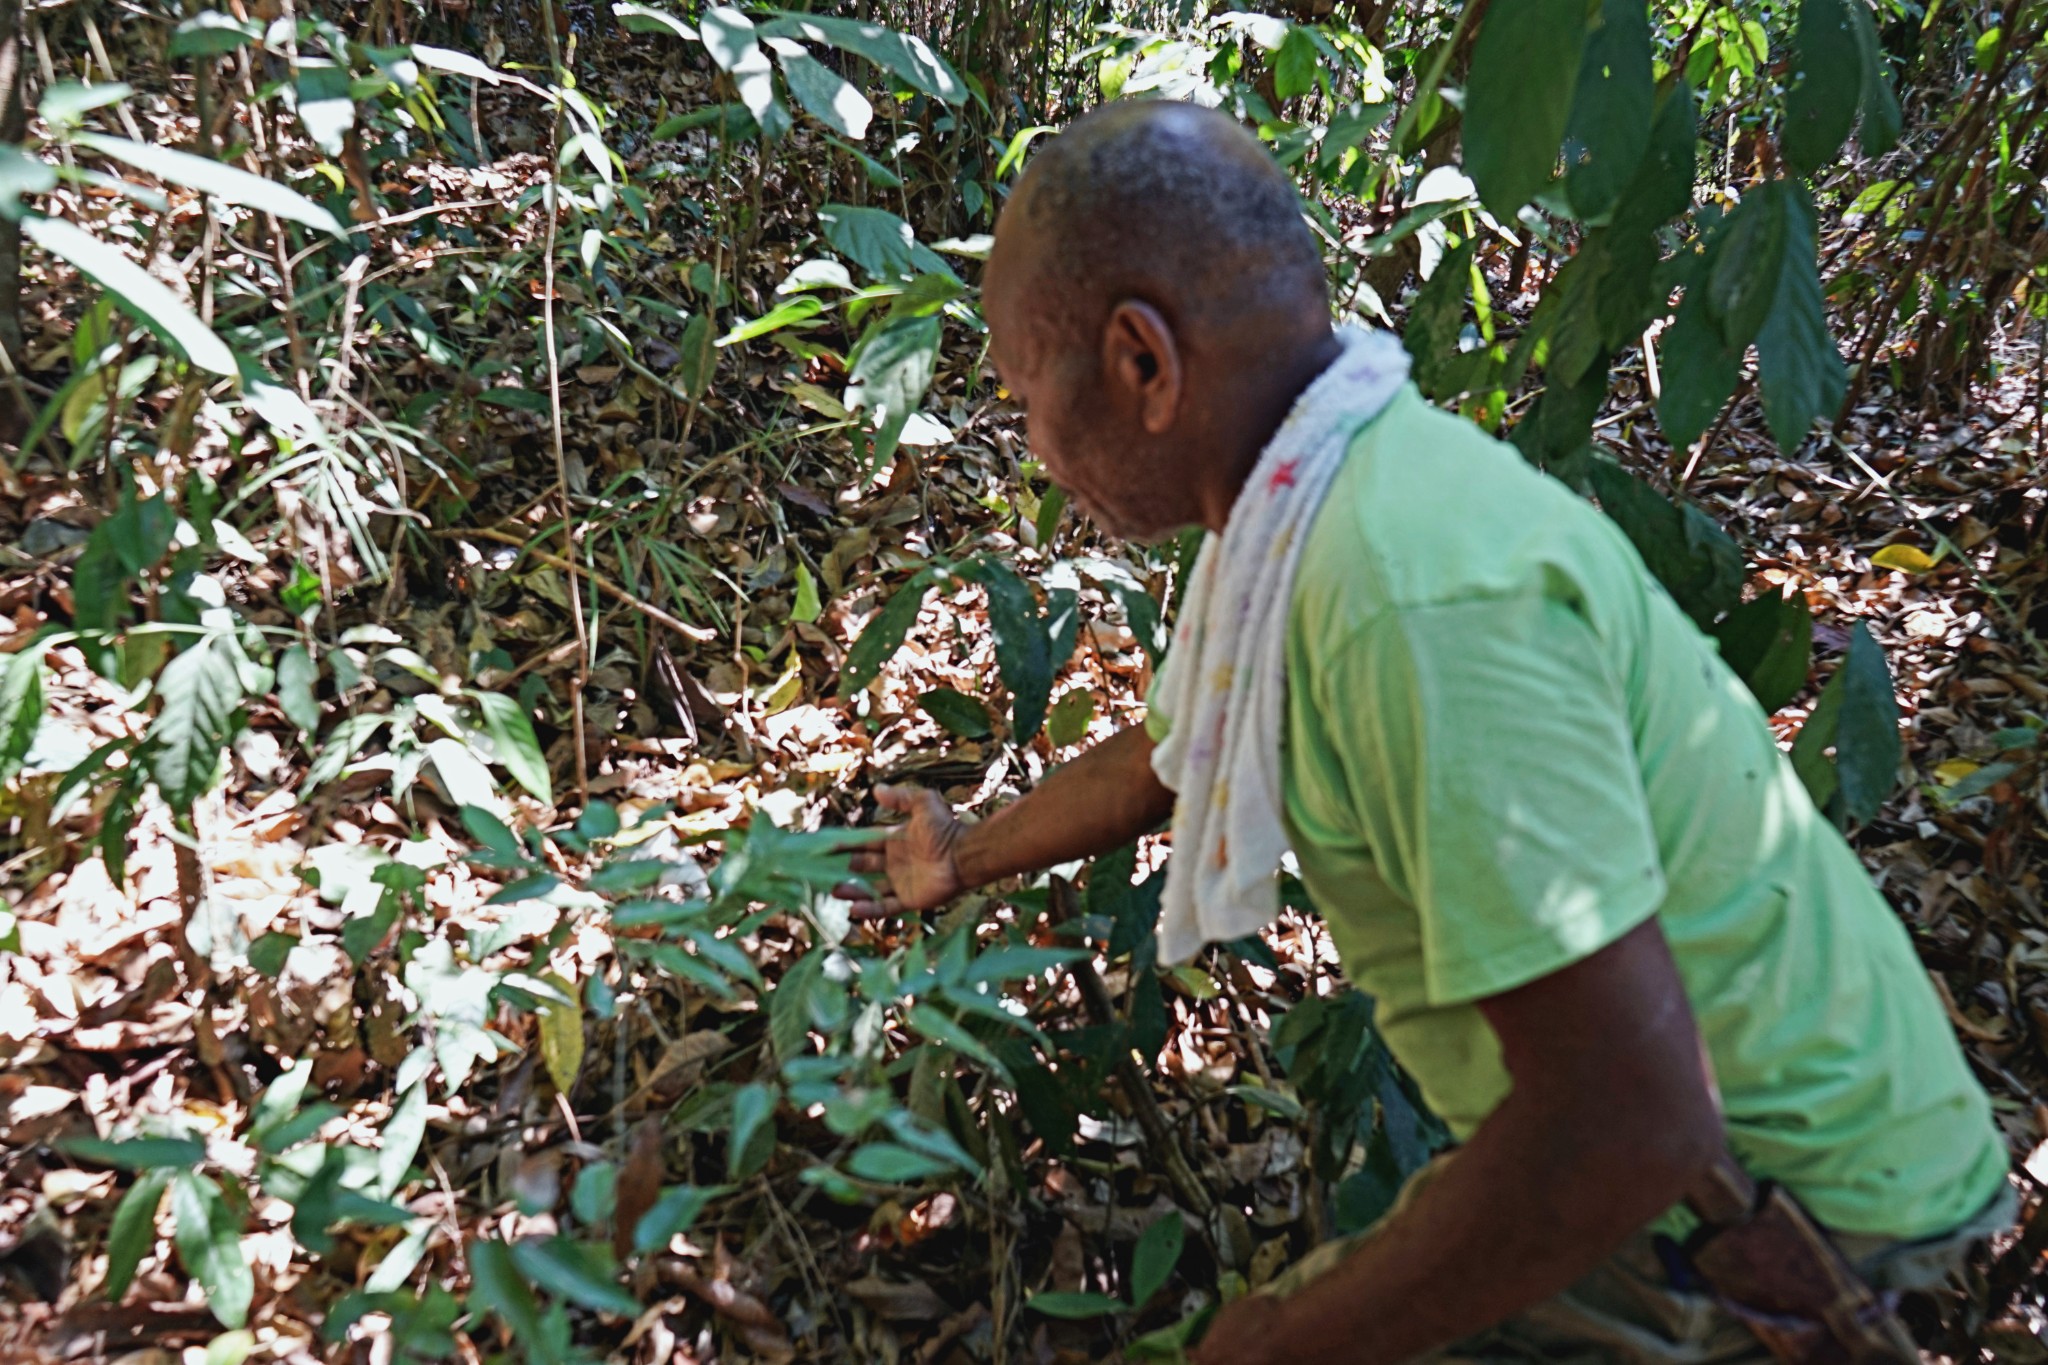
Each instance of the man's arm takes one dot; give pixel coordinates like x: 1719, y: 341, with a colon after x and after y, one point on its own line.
x: 1612, y: 1118
x: 1100, y: 801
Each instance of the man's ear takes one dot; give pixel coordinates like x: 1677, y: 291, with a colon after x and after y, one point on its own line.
x: 1141, y: 364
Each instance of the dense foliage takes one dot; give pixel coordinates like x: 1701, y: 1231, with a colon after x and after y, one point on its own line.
x: 531, y: 469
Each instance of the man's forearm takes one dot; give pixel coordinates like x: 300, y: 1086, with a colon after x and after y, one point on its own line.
x: 1100, y: 801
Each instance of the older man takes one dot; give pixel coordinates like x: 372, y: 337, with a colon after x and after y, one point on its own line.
x: 1549, y: 832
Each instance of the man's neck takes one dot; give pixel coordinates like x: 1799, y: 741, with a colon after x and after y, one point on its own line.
x: 1264, y: 398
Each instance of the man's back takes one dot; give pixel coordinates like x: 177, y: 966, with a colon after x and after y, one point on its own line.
x: 1507, y: 747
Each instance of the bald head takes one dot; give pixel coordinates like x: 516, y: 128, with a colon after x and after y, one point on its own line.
x: 1168, y: 202
x: 1155, y: 302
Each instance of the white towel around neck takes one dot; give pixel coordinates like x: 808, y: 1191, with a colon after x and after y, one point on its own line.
x: 1223, y: 686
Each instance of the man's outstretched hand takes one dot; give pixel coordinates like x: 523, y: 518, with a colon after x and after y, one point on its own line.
x: 917, y: 866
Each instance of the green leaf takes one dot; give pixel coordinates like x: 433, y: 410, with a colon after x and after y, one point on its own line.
x: 1294, y: 65
x: 807, y: 607
x: 210, y: 33
x: 326, y: 103
x: 1431, y: 337
x: 21, y: 707
x: 296, y: 675
x: 21, y: 175
x: 879, y: 243
x: 66, y: 103
x: 1747, y: 262
x: 1663, y: 182
x: 1683, y: 548
x: 583, y: 1275
x: 135, y: 290
x: 1882, y: 121
x: 802, y: 308
x: 892, y: 368
x: 518, y: 748
x: 457, y: 63
x: 1612, y: 109
x: 1857, y: 715
x: 497, y: 1285
x: 219, y: 179
x: 672, y: 1215
x: 957, y: 712
x: 1700, y: 371
x: 209, y: 1238
x: 647, y: 19
x: 1768, y: 642
x: 267, y: 955
x: 883, y: 635
x: 137, y: 1154
x: 823, y: 91
x: 1068, y: 721
x: 1157, y: 1254
x: 1020, y: 141
x: 900, y: 54
x: 1023, y: 645
x: 789, y: 1013
x: 1799, y: 368
x: 699, y: 356
x: 1821, y: 104
x: 200, y: 692
x: 729, y: 36
x: 753, y: 1120
x: 889, y: 1163
x: 133, y: 1230
x: 1060, y: 1304
x: 1518, y: 99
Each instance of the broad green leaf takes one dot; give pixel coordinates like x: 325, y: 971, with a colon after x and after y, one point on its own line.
x: 1821, y: 104
x: 729, y: 36
x: 132, y: 1233
x: 1557, y: 433
x: 1294, y: 64
x: 1158, y: 1252
x: 672, y: 1215
x: 806, y: 607
x: 457, y: 63
x: 1067, y: 722
x: 879, y: 243
x: 518, y: 748
x: 296, y: 675
x: 561, y: 1032
x: 957, y: 712
x: 462, y: 775
x: 1700, y: 370
x: 752, y: 1140
x: 1062, y: 1304
x: 65, y: 104
x: 892, y: 368
x: 200, y: 691
x: 891, y: 1164
x: 137, y: 1154
x: 1683, y: 548
x: 325, y: 103
x: 1882, y: 121
x: 802, y: 308
x: 209, y: 1238
x: 1431, y: 336
x: 1518, y: 99
x: 699, y: 360
x: 399, y: 1142
x: 1768, y: 641
x: 1612, y: 108
x: 789, y: 1014
x: 583, y: 1274
x: 268, y: 954
x: 22, y: 174
x: 21, y: 707
x: 210, y: 33
x: 823, y: 91
x: 1020, y: 141
x: 498, y: 1285
x: 883, y: 634
x: 217, y: 178
x: 900, y: 54
x: 1857, y: 715
x: 1799, y: 367
x: 1663, y: 182
x: 1747, y: 260
x: 135, y: 290
x: 647, y: 19
x: 1023, y: 645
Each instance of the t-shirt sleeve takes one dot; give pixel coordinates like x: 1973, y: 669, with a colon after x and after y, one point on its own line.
x: 1488, y: 752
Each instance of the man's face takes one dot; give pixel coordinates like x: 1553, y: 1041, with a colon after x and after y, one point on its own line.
x: 1090, y: 445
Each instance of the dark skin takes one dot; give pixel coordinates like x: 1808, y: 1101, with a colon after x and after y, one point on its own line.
x: 1612, y: 1116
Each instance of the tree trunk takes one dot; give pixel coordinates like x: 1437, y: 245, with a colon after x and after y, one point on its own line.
x: 13, y: 127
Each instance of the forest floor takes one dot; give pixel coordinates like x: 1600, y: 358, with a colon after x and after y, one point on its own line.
x: 98, y: 1020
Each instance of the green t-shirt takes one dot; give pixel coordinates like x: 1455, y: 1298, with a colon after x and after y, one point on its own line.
x: 1507, y: 747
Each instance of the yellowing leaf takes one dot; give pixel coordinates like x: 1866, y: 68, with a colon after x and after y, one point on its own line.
x: 1954, y: 771
x: 561, y: 1032
x: 1903, y: 557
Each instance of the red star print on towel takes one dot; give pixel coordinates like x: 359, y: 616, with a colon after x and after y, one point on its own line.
x: 1283, y: 477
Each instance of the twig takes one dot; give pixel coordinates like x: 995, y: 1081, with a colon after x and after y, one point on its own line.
x: 602, y: 584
